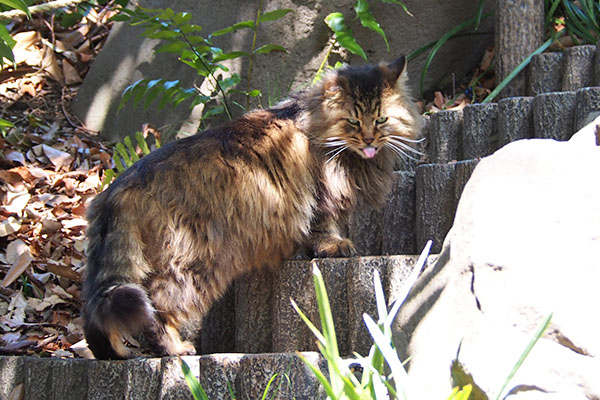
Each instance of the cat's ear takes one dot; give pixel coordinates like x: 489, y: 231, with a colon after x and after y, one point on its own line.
x: 394, y: 71
x: 333, y: 84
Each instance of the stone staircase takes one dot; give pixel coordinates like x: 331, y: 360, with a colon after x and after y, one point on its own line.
x: 252, y: 333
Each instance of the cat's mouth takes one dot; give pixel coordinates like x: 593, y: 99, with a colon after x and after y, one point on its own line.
x: 369, y: 152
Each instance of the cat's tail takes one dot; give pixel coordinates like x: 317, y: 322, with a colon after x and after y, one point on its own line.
x: 113, y: 312
x: 116, y: 306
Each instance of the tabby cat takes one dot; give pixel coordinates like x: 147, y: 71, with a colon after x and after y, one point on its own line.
x: 169, y: 235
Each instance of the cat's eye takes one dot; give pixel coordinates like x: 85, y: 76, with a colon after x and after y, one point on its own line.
x: 381, y: 120
x: 353, y: 121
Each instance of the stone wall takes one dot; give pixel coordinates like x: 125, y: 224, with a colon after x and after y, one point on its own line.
x: 127, y: 57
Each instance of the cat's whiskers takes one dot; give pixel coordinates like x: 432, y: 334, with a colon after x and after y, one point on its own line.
x: 398, y: 150
x: 334, y: 141
x: 405, y: 139
x: 337, y: 152
x: 405, y: 146
x: 334, y: 144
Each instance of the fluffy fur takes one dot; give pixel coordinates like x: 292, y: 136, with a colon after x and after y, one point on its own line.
x: 168, y: 237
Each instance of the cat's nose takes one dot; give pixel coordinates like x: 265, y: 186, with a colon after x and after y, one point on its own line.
x: 368, y: 140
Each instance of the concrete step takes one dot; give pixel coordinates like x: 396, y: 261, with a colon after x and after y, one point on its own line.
x: 480, y: 129
x: 246, y: 375
x: 264, y: 320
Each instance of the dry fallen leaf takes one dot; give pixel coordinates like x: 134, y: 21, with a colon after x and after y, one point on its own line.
x: 43, y: 199
x: 18, y: 251
x: 25, y: 50
x: 50, y: 64
x: 82, y: 350
x: 48, y: 301
x: 70, y: 73
x: 16, y: 308
x: 15, y: 156
x: 15, y: 202
x: 439, y: 100
x: 58, y: 158
x: 9, y: 225
x: 18, y: 392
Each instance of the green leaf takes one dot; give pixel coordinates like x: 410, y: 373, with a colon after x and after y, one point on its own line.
x: 274, y: 15
x: 400, y: 3
x: 120, y: 17
x: 6, y: 124
x: 70, y: 19
x: 18, y: 4
x: 213, y: 112
x: 182, y: 95
x: 6, y: 52
x: 234, y: 27
x: 343, y: 34
x: 173, y: 47
x: 368, y: 20
x: 230, y: 82
x: 195, y: 387
x: 182, y: 18
x: 127, y: 93
x: 163, y: 35
x: 109, y: 174
x: 153, y: 89
x: 167, y: 13
x: 141, y: 141
x: 268, y: 48
x: 120, y: 148
x: 132, y: 153
x: 229, y: 56
x: 118, y: 163
x: 5, y: 36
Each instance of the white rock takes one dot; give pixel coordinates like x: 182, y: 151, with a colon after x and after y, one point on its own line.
x: 525, y: 243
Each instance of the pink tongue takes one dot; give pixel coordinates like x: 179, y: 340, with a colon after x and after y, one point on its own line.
x: 369, y: 151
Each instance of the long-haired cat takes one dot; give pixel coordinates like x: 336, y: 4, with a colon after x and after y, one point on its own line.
x: 168, y: 236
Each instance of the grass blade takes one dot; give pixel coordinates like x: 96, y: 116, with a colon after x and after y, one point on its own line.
x: 442, y: 41
x: 325, y: 311
x: 538, y: 334
x: 308, y: 322
x: 390, y: 355
x: 330, y: 345
x: 319, y: 375
x: 479, y: 14
x: 379, y: 297
x: 518, y: 69
x: 264, y: 396
x: 195, y: 386
x: 410, y: 282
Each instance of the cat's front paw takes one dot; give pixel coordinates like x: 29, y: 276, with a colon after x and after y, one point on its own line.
x: 334, y: 247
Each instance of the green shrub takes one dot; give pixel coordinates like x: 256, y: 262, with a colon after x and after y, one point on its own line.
x: 199, y: 53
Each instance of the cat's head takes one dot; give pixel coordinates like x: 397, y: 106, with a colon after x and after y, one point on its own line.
x: 366, y: 110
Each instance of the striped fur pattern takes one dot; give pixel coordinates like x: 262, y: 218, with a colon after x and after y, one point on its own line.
x: 169, y: 235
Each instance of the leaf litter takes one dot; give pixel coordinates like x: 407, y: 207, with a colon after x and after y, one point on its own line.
x: 50, y: 167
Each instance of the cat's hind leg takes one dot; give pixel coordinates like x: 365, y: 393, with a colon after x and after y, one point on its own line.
x: 164, y: 339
